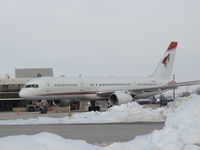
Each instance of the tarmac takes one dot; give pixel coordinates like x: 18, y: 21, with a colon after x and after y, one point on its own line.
x: 99, y: 134
x: 28, y: 115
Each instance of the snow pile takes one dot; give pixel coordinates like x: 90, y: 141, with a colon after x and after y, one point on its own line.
x: 43, y: 141
x: 181, y: 132
x: 131, y: 112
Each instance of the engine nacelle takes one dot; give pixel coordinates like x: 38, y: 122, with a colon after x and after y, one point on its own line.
x: 120, y: 97
x: 61, y: 103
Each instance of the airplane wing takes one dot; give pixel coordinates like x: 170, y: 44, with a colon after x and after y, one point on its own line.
x: 166, y: 87
x: 138, y: 91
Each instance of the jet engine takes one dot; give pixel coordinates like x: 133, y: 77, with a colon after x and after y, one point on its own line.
x: 119, y: 97
x: 61, y: 103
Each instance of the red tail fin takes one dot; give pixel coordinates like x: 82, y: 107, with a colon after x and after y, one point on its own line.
x: 172, y: 46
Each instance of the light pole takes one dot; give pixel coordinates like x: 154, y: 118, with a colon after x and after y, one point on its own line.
x: 174, y: 91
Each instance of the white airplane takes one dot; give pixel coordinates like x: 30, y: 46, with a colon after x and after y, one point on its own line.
x: 117, y: 90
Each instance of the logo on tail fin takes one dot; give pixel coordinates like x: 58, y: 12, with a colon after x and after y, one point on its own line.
x: 166, y: 60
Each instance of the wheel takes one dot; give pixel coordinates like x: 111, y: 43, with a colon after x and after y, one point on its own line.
x: 97, y: 108
x: 90, y: 108
x: 94, y: 108
x: 43, y: 110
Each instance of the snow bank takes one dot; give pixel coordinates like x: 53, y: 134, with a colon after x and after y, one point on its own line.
x: 131, y: 112
x: 181, y: 132
x: 43, y: 141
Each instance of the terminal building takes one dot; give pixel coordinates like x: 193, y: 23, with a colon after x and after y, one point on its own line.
x: 10, y: 87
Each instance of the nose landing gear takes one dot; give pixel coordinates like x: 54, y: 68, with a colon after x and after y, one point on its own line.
x: 44, y: 107
x: 93, y: 107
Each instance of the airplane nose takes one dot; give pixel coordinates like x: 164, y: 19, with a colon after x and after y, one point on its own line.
x: 22, y: 94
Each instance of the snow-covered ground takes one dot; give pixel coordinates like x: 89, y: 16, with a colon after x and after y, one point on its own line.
x: 181, y: 132
x: 131, y: 112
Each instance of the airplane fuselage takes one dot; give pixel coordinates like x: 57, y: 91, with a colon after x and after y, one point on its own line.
x: 84, y: 88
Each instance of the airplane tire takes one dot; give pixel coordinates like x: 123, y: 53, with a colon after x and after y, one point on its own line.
x: 97, y: 108
x: 43, y: 110
x: 90, y: 108
x: 93, y: 108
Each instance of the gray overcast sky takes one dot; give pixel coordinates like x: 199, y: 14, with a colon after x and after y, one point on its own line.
x: 99, y: 37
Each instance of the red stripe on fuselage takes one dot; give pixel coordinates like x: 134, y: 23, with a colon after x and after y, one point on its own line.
x: 70, y: 93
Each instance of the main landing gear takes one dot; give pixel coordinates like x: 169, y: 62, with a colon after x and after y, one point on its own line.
x: 93, y: 107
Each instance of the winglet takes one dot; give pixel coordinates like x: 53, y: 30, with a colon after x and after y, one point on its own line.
x: 172, y: 46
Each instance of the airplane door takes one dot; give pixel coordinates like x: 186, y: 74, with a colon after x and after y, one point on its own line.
x: 48, y: 89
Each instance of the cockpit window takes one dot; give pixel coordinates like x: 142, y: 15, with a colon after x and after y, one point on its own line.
x: 32, y: 86
x: 28, y: 86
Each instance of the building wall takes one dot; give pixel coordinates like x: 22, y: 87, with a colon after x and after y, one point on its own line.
x: 33, y: 72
